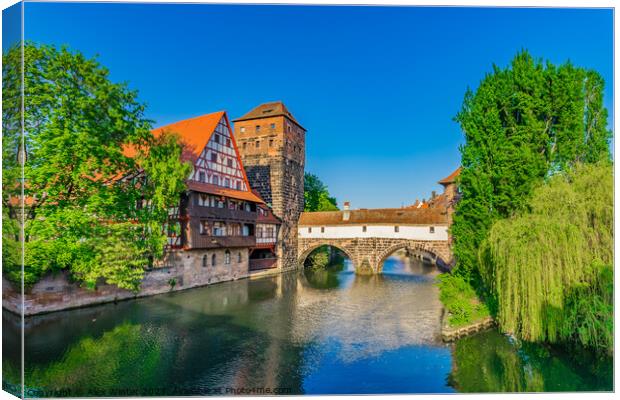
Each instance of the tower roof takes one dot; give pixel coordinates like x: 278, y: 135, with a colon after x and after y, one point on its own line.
x: 267, y: 110
x: 451, y: 178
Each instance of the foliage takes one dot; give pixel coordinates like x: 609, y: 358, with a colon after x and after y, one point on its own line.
x: 100, y: 183
x: 522, y: 124
x: 490, y: 362
x: 551, y: 267
x: 460, y: 300
x: 316, y: 195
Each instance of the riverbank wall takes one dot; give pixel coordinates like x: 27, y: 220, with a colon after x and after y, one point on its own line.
x: 56, y: 292
x: 450, y: 334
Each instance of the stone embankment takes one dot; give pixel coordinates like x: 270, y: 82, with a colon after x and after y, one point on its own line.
x: 450, y: 334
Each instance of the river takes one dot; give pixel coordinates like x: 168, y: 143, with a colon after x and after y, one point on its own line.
x: 313, y: 332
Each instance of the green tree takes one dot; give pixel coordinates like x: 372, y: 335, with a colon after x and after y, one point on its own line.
x: 316, y: 195
x: 98, y: 182
x: 551, y: 266
x: 523, y: 124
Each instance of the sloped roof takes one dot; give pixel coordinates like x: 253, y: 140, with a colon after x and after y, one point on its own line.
x: 195, y: 134
x: 222, y: 191
x: 451, y: 178
x: 391, y: 216
x: 265, y: 110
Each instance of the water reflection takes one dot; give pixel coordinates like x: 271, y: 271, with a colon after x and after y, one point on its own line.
x: 309, y: 331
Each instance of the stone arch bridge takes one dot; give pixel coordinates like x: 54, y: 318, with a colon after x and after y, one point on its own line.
x: 369, y: 236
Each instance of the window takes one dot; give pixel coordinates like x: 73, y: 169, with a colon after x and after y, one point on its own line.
x: 216, y: 138
x: 202, y: 176
x: 205, y: 229
x: 396, y: 229
x: 309, y: 230
x: 227, y: 257
x: 272, y: 126
x: 244, y: 145
x: 204, y: 260
x: 230, y: 162
x: 215, y: 180
x: 219, y: 229
x: 257, y: 144
x: 228, y: 142
x: 270, y: 142
x: 242, y: 129
x: 239, y: 257
x: 246, y: 230
x: 289, y: 127
x: 257, y: 128
x: 322, y: 229
x: 226, y: 182
x: 213, y: 157
x: 364, y: 228
x: 431, y: 229
x: 213, y: 260
x: 238, y: 185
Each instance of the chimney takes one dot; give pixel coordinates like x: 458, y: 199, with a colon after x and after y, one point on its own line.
x: 346, y: 214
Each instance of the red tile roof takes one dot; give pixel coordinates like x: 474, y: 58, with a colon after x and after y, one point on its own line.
x: 451, y: 178
x: 391, y: 216
x: 222, y: 191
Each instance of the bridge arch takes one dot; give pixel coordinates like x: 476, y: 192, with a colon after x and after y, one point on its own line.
x: 423, y: 249
x: 308, y: 250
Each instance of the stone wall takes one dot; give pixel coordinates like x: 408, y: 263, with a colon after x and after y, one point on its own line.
x: 275, y: 168
x: 368, y: 254
x: 185, y: 270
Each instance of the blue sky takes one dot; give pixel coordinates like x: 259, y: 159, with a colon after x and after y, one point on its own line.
x: 376, y: 87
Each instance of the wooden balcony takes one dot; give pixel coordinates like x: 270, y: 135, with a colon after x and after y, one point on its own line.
x: 199, y: 241
x: 222, y: 214
x: 262, y: 263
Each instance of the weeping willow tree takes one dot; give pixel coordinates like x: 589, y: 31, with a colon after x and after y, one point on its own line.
x: 551, y: 267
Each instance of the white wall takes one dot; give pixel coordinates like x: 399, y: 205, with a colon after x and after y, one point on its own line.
x: 414, y: 232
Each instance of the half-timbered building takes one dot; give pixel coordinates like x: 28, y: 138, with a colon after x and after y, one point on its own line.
x: 216, y: 221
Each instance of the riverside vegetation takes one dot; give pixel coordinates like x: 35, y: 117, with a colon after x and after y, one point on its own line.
x: 533, y: 228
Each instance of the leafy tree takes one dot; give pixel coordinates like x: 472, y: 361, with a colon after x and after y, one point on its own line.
x: 98, y: 183
x: 551, y: 266
x: 523, y: 124
x: 316, y: 195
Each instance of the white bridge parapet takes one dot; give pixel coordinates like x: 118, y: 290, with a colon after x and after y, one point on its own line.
x: 411, y: 232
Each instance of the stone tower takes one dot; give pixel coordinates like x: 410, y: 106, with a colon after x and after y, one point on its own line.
x: 272, y: 147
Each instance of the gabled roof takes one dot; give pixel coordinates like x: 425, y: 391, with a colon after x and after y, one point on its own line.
x: 383, y: 216
x: 266, y: 110
x: 195, y: 134
x: 451, y: 178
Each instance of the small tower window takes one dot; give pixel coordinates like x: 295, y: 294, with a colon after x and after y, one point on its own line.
x: 257, y: 144
x: 272, y: 126
x: 227, y: 257
x: 396, y: 228
x: 244, y: 145
x: 257, y: 128
x: 242, y: 129
x: 431, y: 229
x: 213, y: 260
x: 239, y: 257
x: 270, y: 142
x: 204, y: 260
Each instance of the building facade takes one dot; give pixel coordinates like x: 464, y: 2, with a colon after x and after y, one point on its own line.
x: 272, y: 147
x: 213, y: 230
